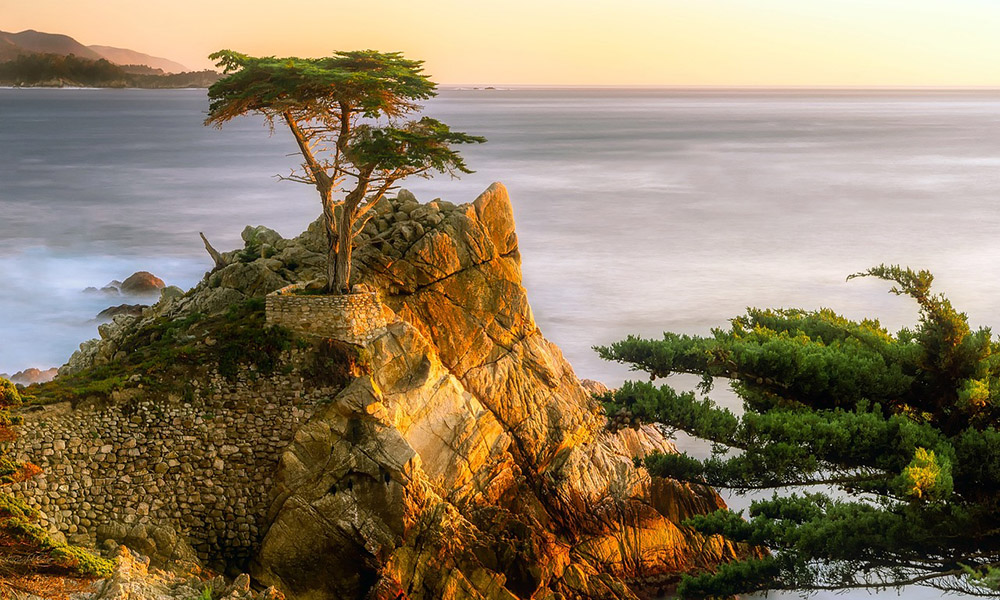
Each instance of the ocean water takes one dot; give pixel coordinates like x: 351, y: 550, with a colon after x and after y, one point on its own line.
x: 638, y: 211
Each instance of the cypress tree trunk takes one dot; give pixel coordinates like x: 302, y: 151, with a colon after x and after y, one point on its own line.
x: 345, y: 236
x: 330, y: 226
x: 342, y: 274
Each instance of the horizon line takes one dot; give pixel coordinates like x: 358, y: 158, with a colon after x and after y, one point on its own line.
x: 720, y: 87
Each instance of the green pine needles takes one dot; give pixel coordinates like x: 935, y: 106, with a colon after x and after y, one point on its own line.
x: 893, y: 437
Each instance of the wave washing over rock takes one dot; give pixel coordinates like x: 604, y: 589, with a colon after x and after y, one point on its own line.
x: 465, y: 460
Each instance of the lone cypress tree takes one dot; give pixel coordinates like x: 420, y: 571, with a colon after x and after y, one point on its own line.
x: 893, y: 437
x: 346, y: 113
x: 30, y: 561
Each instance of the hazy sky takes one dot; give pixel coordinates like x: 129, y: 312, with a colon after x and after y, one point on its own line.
x: 647, y: 42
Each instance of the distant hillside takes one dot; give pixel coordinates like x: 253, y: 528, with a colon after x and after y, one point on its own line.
x: 9, y: 50
x: 54, y: 70
x: 49, y: 43
x: 124, y: 56
x: 30, y: 41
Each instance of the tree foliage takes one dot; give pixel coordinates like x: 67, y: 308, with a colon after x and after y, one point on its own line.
x: 347, y: 113
x: 893, y: 436
x: 30, y: 561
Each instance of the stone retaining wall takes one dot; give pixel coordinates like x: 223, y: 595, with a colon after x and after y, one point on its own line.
x: 201, y: 463
x: 352, y: 318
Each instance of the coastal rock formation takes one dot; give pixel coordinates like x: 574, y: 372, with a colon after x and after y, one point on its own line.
x: 111, y: 312
x: 472, y: 463
x: 164, y: 548
x: 142, y: 283
x: 462, y: 458
x: 103, y: 350
x: 108, y: 290
x: 135, y: 579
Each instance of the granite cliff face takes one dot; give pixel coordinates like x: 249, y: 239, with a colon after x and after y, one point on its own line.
x: 470, y: 462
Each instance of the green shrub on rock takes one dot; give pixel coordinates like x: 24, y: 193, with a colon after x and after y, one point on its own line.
x: 9, y: 396
x: 247, y: 340
x: 336, y: 363
x: 161, y: 355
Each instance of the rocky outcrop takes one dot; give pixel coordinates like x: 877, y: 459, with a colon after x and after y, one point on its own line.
x: 108, y: 290
x: 594, y: 388
x: 160, y: 544
x: 469, y: 462
x: 101, y: 350
x: 472, y: 464
x: 135, y: 579
x: 140, y: 283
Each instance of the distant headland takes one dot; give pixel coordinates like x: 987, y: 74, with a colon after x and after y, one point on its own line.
x: 36, y: 59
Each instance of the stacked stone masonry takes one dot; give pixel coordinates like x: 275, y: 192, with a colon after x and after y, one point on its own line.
x: 202, y: 464
x: 354, y: 318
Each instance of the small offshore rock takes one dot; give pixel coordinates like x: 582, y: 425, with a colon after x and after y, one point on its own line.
x: 107, y: 290
x: 134, y: 310
x: 142, y: 283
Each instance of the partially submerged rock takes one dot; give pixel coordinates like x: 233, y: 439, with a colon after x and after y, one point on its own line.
x: 134, y: 310
x: 108, y: 290
x: 142, y: 283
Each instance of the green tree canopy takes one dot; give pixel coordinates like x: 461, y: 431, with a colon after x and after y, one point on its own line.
x: 892, y: 436
x: 347, y: 114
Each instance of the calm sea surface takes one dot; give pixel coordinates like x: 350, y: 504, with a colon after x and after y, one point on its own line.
x: 638, y: 211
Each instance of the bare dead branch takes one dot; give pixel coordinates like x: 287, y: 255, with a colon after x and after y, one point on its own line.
x: 373, y: 199
x: 361, y: 221
x: 219, y: 261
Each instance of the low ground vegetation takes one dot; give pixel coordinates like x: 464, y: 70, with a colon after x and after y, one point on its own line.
x: 161, y: 356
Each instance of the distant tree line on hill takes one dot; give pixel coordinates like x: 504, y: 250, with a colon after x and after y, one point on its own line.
x: 53, y: 70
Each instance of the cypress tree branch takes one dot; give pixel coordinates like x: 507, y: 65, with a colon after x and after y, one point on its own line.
x: 906, y: 424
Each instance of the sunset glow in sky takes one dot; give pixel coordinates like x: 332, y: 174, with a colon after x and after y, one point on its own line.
x: 597, y: 42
